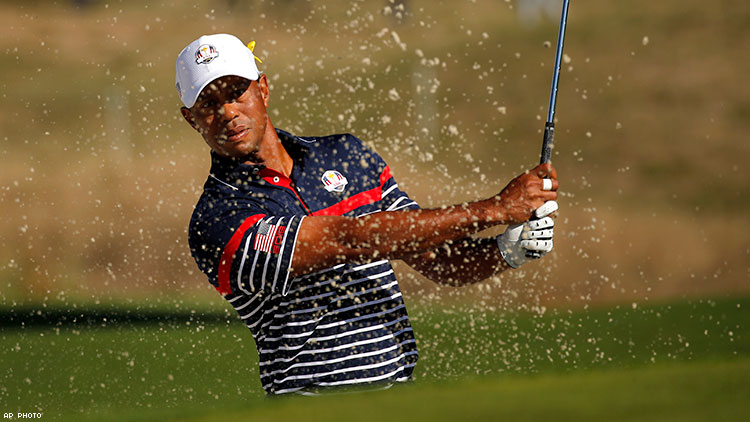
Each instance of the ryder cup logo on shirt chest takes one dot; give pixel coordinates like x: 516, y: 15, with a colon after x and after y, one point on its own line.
x: 333, y: 181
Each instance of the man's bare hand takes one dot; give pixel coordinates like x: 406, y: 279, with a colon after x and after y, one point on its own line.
x: 525, y: 193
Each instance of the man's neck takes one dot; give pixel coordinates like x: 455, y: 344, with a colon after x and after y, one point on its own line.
x: 272, y: 153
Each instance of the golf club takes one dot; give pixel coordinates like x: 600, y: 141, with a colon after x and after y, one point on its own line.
x: 549, y: 126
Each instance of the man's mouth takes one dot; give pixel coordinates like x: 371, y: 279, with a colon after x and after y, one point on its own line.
x: 235, y: 134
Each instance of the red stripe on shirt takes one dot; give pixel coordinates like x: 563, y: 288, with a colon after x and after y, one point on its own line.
x: 358, y: 200
x: 268, y: 175
x: 227, y: 257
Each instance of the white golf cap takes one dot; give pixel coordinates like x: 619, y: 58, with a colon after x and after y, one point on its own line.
x: 210, y: 57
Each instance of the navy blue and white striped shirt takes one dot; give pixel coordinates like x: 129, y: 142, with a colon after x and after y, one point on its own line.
x: 343, y: 326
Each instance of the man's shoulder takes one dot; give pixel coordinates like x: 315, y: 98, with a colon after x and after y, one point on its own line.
x: 326, y: 141
x: 208, y: 203
x: 217, y: 199
x: 344, y: 147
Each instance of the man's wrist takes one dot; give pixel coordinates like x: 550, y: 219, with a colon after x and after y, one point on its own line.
x: 492, y: 211
x: 508, y: 245
x: 506, y: 254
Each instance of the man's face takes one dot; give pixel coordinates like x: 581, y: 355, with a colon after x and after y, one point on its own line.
x: 230, y: 114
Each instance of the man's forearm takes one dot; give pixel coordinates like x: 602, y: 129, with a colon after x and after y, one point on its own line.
x: 328, y: 240
x: 462, y: 262
x: 324, y: 241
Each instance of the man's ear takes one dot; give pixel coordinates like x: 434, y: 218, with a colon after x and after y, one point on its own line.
x: 188, y: 115
x: 263, y: 86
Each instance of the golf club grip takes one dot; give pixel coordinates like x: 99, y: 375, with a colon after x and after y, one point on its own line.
x: 547, y: 143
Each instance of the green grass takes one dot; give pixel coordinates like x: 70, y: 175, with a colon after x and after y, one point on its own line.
x: 686, y: 392
x: 632, y: 335
x: 494, y: 362
x: 647, y: 134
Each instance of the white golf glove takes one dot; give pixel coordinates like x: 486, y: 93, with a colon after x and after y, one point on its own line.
x: 531, y: 240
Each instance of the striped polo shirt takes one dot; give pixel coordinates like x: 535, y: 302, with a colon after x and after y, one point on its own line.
x: 344, y: 326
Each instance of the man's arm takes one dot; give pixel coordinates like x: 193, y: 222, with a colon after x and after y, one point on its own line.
x: 324, y: 241
x: 472, y: 260
x: 465, y: 261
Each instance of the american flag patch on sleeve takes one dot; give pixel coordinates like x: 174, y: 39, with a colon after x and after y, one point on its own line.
x: 269, y: 237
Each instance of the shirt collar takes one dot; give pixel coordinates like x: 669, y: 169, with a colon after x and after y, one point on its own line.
x: 233, y: 172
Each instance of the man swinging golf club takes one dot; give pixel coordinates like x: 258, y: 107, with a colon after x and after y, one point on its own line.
x: 297, y: 232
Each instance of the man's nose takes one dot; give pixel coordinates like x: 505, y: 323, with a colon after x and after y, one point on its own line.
x: 228, y: 110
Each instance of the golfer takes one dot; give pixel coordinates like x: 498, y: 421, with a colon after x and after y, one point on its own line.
x: 296, y: 232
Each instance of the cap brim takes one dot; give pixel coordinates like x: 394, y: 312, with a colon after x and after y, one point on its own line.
x: 192, y: 95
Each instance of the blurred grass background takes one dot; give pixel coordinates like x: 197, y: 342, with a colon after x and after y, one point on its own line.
x: 100, y: 173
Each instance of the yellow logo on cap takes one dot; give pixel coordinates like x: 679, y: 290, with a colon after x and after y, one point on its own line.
x: 251, y: 46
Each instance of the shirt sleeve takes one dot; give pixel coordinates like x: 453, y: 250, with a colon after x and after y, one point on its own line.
x: 246, y: 250
x: 392, y: 197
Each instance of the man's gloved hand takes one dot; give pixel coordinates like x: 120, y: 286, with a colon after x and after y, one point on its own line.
x: 531, y: 240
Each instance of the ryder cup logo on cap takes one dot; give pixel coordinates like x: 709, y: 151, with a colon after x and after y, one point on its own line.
x: 211, y: 57
x: 205, y: 54
x: 333, y: 181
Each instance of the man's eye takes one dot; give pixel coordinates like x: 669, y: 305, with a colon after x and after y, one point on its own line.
x: 207, y: 104
x: 238, y: 92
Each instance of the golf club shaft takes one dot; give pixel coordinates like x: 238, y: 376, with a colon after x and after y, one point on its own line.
x: 549, y: 126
